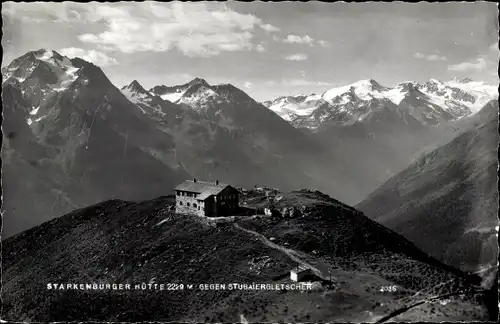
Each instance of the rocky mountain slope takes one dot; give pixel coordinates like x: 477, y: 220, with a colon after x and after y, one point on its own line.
x: 91, y: 142
x: 143, y: 242
x: 280, y: 150
x: 447, y: 201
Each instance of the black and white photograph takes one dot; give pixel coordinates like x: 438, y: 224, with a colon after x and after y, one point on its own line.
x: 249, y: 162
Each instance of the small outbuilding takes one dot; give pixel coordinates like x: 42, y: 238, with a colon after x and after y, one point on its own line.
x: 300, y: 272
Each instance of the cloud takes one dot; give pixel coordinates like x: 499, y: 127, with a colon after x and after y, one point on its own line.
x: 486, y: 60
x: 190, y: 27
x: 294, y: 39
x: 248, y: 85
x: 195, y: 29
x: 260, y: 48
x: 308, y: 40
x: 323, y: 43
x: 96, y: 57
x: 296, y: 57
x: 477, y: 65
x: 269, y: 28
x: 38, y: 12
x: 430, y: 57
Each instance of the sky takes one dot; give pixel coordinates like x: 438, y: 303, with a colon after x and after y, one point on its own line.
x: 267, y: 49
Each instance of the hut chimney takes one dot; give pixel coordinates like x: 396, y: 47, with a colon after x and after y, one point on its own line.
x: 194, y: 179
x: 216, y: 182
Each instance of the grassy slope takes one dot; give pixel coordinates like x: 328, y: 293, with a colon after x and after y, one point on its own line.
x: 119, y: 241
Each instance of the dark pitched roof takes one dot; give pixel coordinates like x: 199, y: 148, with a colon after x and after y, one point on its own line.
x: 300, y: 268
x: 205, y: 189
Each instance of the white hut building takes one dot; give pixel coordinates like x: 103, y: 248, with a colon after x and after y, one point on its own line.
x: 298, y: 273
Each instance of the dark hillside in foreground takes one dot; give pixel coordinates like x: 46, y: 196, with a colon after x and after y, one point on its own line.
x: 144, y: 242
x: 328, y: 228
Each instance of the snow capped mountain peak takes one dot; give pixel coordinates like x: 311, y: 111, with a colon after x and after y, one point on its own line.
x: 136, y: 93
x: 199, y: 96
x: 408, y: 86
x: 196, y: 81
x: 45, y: 54
x: 476, y: 93
x: 197, y: 88
x: 135, y: 86
x: 363, y: 89
x: 43, y: 68
x: 51, y: 57
x: 429, y: 103
x: 174, y: 93
x: 432, y: 80
x: 169, y: 93
x: 149, y: 103
x: 369, y: 83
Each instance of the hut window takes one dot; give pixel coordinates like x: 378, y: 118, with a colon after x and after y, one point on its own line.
x: 180, y: 203
x: 194, y: 205
x: 188, y: 204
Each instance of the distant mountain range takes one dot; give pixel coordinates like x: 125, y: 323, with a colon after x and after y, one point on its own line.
x: 378, y: 131
x: 430, y: 103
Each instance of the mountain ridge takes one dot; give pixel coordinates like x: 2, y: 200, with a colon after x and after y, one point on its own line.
x: 455, y: 99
